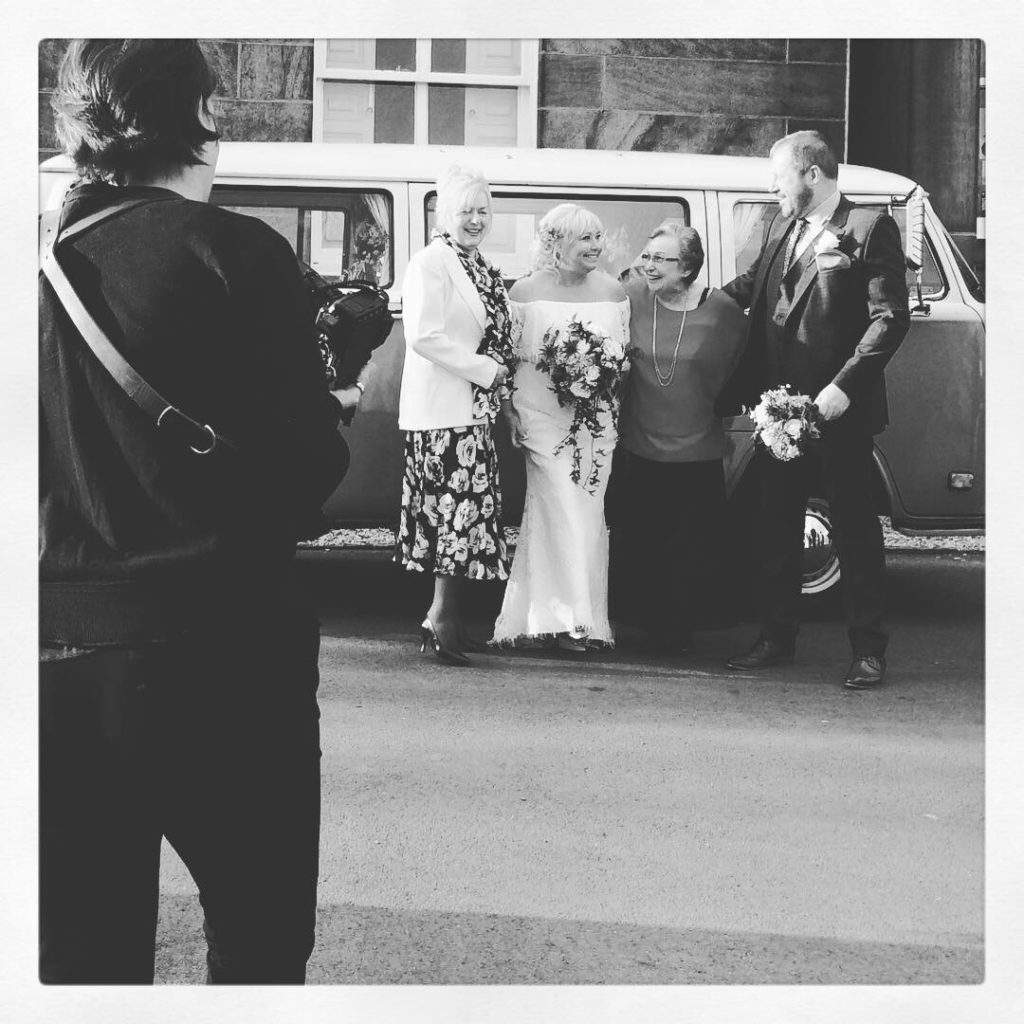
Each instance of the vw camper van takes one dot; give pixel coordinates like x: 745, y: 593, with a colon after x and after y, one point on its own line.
x: 357, y: 211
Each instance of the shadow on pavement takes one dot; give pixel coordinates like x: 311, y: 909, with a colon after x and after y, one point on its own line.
x: 921, y: 585
x: 378, y: 946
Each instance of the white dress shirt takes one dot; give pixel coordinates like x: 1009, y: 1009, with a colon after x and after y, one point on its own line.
x: 816, y: 221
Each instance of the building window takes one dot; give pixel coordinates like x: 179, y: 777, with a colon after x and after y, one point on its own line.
x: 465, y: 92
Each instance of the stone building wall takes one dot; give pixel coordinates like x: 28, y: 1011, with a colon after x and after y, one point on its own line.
x: 729, y: 96
x: 682, y: 95
x: 265, y: 92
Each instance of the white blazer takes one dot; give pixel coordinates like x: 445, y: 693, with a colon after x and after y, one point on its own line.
x: 444, y: 323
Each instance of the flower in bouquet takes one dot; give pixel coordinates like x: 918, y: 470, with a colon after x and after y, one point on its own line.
x: 784, y: 422
x: 585, y: 367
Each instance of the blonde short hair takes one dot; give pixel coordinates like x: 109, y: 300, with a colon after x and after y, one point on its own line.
x: 455, y: 188
x: 558, y: 229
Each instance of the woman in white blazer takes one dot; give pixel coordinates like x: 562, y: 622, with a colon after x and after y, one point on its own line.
x: 458, y: 358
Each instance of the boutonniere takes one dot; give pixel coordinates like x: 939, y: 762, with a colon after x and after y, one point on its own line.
x: 826, y: 240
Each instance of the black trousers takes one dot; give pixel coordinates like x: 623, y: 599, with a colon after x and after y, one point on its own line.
x: 211, y: 741
x: 845, y: 462
x: 669, y: 564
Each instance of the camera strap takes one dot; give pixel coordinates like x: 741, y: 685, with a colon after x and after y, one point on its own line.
x: 201, y: 438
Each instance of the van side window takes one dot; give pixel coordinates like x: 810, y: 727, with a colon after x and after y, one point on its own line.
x: 627, y: 221
x: 343, y: 236
x: 750, y: 220
x: 933, y: 284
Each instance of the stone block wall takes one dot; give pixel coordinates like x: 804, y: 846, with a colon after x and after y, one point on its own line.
x: 729, y: 96
x: 265, y: 91
x: 683, y: 95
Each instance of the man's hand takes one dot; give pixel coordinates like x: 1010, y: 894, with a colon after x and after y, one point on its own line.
x: 349, y: 397
x: 832, y: 402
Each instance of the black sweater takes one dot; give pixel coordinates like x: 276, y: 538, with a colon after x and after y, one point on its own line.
x: 209, y: 308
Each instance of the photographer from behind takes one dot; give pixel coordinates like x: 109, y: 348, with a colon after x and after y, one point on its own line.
x: 178, y: 665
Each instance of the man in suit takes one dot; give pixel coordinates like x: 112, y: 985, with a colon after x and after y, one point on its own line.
x: 828, y: 308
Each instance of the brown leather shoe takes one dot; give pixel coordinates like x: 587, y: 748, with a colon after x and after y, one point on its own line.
x: 763, y: 654
x: 865, y: 672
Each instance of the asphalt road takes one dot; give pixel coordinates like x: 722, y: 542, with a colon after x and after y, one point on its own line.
x: 630, y: 819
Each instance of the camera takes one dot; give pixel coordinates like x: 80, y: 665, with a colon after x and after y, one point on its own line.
x: 352, y: 319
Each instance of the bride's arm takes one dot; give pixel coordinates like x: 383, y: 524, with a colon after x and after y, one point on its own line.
x: 516, y: 430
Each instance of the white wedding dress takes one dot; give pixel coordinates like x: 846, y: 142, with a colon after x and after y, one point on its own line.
x: 559, y: 577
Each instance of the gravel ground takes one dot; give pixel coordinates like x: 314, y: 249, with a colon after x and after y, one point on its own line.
x: 383, y: 538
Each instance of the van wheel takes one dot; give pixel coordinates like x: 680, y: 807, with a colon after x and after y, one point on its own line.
x: 821, y: 562
x: 819, y: 586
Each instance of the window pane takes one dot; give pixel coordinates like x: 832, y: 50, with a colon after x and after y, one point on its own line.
x: 348, y: 112
x: 492, y: 117
x: 351, y: 53
x: 749, y: 223
x: 933, y: 284
x: 393, y: 113
x: 448, y: 55
x: 446, y: 115
x: 343, y: 236
x: 494, y: 56
x: 627, y: 223
x: 476, y: 56
x: 458, y: 115
x: 368, y: 112
x: 396, y: 55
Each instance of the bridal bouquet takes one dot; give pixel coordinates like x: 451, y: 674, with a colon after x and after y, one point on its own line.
x: 586, y: 367
x: 785, y: 422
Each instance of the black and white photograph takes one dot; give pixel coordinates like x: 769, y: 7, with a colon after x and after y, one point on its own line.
x: 510, y: 499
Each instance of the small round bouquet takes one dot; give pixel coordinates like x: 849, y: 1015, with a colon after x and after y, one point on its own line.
x: 784, y: 422
x: 369, y: 244
x: 586, y: 367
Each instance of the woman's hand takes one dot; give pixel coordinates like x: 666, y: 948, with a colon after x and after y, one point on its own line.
x: 516, y: 430
x: 501, y: 376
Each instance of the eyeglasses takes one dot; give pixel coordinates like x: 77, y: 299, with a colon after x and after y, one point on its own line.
x: 657, y: 259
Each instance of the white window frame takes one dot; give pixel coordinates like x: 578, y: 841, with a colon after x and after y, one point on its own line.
x: 525, y: 83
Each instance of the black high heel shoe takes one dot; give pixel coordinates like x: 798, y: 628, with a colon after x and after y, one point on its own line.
x: 450, y: 657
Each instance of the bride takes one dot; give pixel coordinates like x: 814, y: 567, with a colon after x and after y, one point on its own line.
x: 558, y: 586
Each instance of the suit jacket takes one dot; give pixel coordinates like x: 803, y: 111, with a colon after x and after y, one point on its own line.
x: 444, y: 324
x: 847, y: 317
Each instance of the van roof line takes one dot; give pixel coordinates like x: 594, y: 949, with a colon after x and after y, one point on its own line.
x: 568, y: 167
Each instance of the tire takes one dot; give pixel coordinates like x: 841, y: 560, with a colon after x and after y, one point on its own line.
x: 820, y: 584
x: 821, y: 563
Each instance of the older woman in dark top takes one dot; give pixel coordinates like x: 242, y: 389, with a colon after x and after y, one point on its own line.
x: 668, y: 488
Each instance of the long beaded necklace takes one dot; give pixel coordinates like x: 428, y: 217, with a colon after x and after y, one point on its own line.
x: 665, y: 379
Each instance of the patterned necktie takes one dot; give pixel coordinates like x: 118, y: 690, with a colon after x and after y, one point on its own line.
x: 794, y: 241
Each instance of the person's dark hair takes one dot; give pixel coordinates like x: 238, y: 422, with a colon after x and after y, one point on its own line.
x: 691, y: 249
x: 130, y: 107
x: 809, y: 149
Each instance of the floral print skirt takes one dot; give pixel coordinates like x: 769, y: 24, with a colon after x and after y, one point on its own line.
x: 451, y: 504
